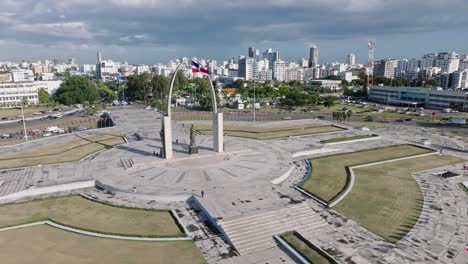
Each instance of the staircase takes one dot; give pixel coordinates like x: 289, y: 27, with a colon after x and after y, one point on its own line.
x: 127, y: 163
x: 253, y: 233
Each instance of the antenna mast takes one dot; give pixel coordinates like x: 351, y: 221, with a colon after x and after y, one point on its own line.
x: 370, y: 62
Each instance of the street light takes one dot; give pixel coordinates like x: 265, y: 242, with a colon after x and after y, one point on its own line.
x: 254, y: 106
x: 24, y: 121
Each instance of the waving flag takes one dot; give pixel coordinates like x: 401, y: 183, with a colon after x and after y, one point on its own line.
x: 198, y: 68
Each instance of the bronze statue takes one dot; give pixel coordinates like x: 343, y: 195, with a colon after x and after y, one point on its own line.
x: 192, y: 136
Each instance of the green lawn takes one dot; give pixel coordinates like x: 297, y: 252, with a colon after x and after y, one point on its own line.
x: 386, y: 199
x: 65, y: 151
x: 82, y: 213
x: 14, y: 112
x: 367, y: 124
x: 328, y: 177
x: 270, y: 132
x: 44, y: 244
x: 342, y: 139
x: 313, y: 256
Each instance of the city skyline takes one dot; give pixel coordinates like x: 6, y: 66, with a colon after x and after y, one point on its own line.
x: 149, y: 31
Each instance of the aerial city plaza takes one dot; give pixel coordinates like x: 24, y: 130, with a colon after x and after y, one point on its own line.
x: 247, y: 160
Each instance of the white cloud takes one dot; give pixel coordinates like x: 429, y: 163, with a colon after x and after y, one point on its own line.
x: 73, y: 30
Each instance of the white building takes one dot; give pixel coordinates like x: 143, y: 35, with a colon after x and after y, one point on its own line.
x: 385, y: 68
x: 279, y: 70
x: 348, y: 76
x: 448, y: 62
x: 351, y: 59
x: 303, y: 63
x: 22, y: 76
x: 428, y: 60
x: 260, y: 66
x: 246, y: 68
x: 12, y: 94
x: 330, y: 84
x: 294, y: 74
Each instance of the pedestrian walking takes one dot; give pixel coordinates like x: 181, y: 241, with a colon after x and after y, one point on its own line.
x: 202, y: 193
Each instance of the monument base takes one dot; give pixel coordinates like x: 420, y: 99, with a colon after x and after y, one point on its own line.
x: 193, y: 150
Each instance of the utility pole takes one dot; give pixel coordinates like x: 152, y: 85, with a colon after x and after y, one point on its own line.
x: 24, y: 122
x: 254, y: 106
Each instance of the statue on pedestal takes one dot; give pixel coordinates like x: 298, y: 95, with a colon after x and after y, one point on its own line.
x: 192, y: 136
x: 193, y: 149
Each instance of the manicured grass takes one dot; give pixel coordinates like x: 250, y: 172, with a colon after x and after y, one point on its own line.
x: 341, y: 139
x: 64, y: 122
x: 44, y: 244
x: 313, y: 256
x: 270, y: 132
x: 329, y: 176
x: 14, y: 112
x: 386, y: 199
x: 82, y: 213
x: 65, y: 151
x: 367, y: 124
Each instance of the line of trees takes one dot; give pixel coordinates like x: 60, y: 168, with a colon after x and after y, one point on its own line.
x: 341, y: 116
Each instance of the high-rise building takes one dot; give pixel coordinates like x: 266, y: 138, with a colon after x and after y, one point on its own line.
x: 406, y: 68
x: 71, y: 61
x: 254, y: 53
x: 448, y: 62
x: 303, y: 63
x: 260, y: 66
x: 428, y: 60
x: 271, y: 56
x: 313, y: 58
x: 279, y: 70
x: 98, y: 66
x: 246, y: 68
x: 463, y: 63
x: 351, y: 59
x: 385, y: 68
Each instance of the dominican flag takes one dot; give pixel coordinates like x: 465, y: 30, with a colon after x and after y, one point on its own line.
x: 198, y: 68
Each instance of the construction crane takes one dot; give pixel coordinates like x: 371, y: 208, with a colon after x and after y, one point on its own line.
x: 370, y: 62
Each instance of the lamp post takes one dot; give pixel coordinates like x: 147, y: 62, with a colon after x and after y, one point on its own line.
x: 254, y: 106
x: 24, y: 122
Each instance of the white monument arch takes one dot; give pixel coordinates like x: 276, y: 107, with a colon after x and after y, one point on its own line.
x: 218, y: 144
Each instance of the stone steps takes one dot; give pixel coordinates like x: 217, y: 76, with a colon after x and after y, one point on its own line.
x: 255, y: 232
x: 16, y: 180
x: 127, y: 163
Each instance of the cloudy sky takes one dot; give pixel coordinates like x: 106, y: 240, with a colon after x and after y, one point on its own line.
x: 151, y: 31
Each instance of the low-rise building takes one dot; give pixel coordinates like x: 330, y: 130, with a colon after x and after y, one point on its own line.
x: 12, y: 94
x: 417, y: 96
x: 334, y: 85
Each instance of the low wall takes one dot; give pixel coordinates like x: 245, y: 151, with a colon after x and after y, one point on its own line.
x: 47, y: 190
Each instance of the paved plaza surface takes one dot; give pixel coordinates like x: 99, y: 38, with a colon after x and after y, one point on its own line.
x: 240, y: 194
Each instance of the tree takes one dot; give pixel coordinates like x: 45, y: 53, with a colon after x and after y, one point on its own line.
x: 139, y: 87
x: 160, y: 87
x: 329, y: 102
x: 44, y: 97
x: 106, y: 92
x: 76, y: 90
x: 238, y: 84
x: 25, y: 101
x: 181, y: 82
x: 431, y: 83
x: 332, y: 77
x: 349, y: 114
